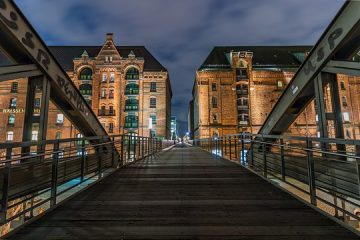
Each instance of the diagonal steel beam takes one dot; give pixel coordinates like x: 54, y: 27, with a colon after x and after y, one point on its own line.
x: 19, y: 71
x: 343, y: 29
x: 23, y: 45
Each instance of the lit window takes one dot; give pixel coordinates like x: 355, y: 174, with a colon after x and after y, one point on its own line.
x: 14, y: 87
x: 104, y: 77
x: 112, y: 77
x: 60, y: 118
x: 103, y: 93
x: 132, y: 74
x: 12, y: 102
x: 153, y: 118
x: 152, y: 102
x: 241, y: 74
x: 37, y: 102
x: 110, y: 59
x: 106, y: 59
x: 58, y: 135
x: 344, y: 102
x: 316, y: 118
x: 279, y: 84
x: 346, y: 117
x: 10, y: 136
x: 318, y: 134
x: 85, y: 89
x: 11, y: 119
x: 215, y: 118
x: 153, y: 87
x: 86, y: 74
x: 34, y: 135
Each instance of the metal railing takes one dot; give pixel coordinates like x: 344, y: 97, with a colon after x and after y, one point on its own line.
x: 324, y: 172
x: 36, y: 176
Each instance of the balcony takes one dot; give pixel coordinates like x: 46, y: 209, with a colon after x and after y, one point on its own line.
x: 106, y: 112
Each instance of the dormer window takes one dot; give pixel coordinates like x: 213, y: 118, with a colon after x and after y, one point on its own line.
x: 106, y: 59
x: 110, y: 59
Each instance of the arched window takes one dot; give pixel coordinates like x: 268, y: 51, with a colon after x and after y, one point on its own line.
x: 86, y: 74
x: 214, y: 102
x: 85, y: 89
x: 132, y: 74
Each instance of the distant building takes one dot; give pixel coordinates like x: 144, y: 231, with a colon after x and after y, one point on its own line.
x: 124, y: 85
x: 174, y: 132
x: 191, y: 119
x: 236, y: 87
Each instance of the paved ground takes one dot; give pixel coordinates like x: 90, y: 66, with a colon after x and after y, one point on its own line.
x: 184, y: 193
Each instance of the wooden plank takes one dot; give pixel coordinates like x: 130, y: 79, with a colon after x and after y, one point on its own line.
x: 183, y: 193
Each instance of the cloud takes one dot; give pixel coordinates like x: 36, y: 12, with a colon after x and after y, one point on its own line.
x: 181, y: 33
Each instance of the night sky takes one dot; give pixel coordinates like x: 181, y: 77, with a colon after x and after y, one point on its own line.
x: 180, y: 33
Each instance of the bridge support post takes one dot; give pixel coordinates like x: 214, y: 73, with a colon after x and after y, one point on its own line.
x: 311, y: 172
x: 283, y: 173
x: 54, y: 173
x: 264, y: 157
x: 83, y: 159
x: 40, y: 84
x: 235, y: 146
x: 242, y: 158
x: 100, y: 153
x: 5, y: 186
x: 230, y: 146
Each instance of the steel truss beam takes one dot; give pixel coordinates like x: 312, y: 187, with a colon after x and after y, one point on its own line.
x: 343, y: 67
x: 23, y: 45
x: 19, y: 71
x: 340, y: 41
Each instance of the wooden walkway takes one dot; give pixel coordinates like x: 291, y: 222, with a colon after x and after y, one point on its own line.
x: 184, y: 193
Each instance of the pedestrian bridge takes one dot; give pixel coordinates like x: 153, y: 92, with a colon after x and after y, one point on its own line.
x: 183, y: 193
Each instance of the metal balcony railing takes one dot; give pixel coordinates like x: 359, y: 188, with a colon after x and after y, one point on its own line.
x: 53, y: 170
x: 315, y: 169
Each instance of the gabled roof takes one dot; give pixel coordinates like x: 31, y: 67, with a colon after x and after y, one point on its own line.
x: 263, y: 56
x: 66, y: 54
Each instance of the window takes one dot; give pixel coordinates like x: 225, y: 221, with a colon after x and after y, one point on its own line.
x: 132, y: 74
x: 60, y: 118
x: 279, y: 84
x: 241, y: 74
x: 153, y: 87
x: 344, y: 102
x: 34, y: 135
x: 14, y: 87
x: 11, y: 119
x: 12, y: 102
x: 10, y: 136
x: 111, y: 93
x: 153, y: 118
x: 132, y: 89
x: 103, y: 93
x: 85, y: 89
x: 213, y: 87
x: 348, y: 134
x: 131, y: 121
x: 342, y: 85
x: 214, y: 102
x: 104, y: 77
x: 37, y: 103
x: 215, y: 118
x: 102, y: 110
x: 346, y: 117
x: 112, y: 77
x: 58, y: 135
x: 110, y: 59
x: 86, y: 74
x: 131, y: 104
x: 111, y: 127
x: 111, y: 110
x: 152, y: 102
x: 106, y: 59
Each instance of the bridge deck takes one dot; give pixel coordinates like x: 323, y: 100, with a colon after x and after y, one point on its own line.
x: 184, y: 193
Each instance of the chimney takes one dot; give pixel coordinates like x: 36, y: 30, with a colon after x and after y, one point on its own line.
x: 109, y: 36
